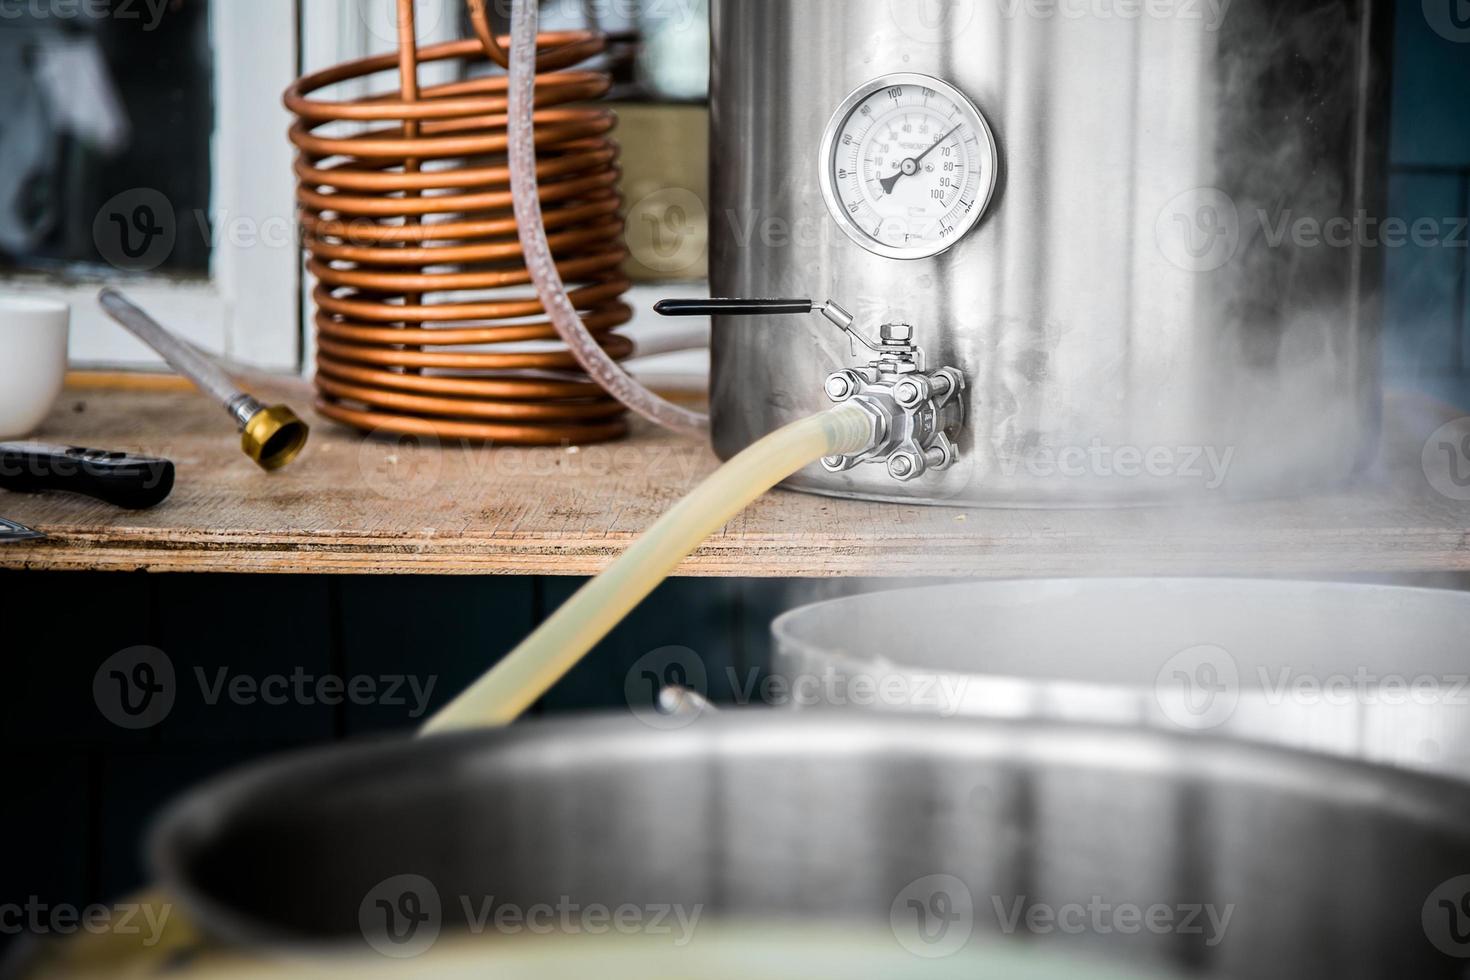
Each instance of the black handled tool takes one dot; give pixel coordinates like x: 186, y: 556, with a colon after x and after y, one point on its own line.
x: 13, y: 533
x: 733, y: 307
x: 844, y: 320
x: 120, y: 479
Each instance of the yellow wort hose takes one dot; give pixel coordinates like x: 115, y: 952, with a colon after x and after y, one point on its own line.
x: 518, y: 681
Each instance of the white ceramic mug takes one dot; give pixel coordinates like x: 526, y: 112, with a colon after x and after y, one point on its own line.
x: 33, y: 338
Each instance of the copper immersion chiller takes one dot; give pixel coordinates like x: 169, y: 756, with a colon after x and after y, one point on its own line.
x: 426, y: 322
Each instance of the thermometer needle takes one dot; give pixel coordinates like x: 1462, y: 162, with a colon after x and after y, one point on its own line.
x: 911, y: 165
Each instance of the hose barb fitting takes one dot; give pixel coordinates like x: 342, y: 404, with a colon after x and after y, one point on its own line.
x: 917, y: 413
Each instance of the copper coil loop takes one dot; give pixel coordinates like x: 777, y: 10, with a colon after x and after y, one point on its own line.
x: 427, y: 322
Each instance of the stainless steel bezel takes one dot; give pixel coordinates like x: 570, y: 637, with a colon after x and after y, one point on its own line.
x: 990, y: 155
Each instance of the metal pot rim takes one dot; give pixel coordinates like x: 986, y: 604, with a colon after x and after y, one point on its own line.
x: 187, y: 826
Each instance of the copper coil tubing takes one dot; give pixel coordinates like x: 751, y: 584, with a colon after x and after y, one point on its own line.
x: 426, y: 320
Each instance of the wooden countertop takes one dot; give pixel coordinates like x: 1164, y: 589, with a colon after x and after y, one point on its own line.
x: 364, y: 506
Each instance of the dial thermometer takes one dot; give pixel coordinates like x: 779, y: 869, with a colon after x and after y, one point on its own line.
x: 909, y: 166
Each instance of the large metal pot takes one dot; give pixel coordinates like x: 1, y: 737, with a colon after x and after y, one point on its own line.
x: 1174, y: 290
x: 933, y: 835
x: 1374, y: 672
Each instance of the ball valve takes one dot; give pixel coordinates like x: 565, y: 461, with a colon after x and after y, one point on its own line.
x: 917, y: 412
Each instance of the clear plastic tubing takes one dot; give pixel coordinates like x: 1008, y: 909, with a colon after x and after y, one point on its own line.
x: 525, y: 23
x: 518, y: 681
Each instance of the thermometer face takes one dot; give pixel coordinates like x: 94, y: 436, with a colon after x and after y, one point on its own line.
x: 908, y: 166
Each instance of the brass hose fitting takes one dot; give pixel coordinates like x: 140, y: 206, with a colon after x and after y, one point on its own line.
x: 271, y: 436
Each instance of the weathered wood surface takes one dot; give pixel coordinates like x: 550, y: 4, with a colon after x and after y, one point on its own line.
x: 369, y: 506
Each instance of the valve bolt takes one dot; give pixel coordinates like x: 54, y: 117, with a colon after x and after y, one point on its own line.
x: 906, y: 467
x: 910, y: 394
x: 841, y: 387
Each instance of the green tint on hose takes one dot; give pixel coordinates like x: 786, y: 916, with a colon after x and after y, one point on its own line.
x: 519, y: 681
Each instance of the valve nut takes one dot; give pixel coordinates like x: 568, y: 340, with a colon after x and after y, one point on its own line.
x: 907, y: 466
x: 896, y: 333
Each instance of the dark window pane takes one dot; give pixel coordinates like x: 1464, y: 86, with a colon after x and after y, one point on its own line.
x: 104, y: 98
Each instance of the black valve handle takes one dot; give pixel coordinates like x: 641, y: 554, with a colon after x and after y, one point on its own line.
x: 121, y: 479
x: 733, y: 307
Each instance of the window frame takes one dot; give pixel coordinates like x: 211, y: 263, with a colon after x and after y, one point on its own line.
x: 247, y: 307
